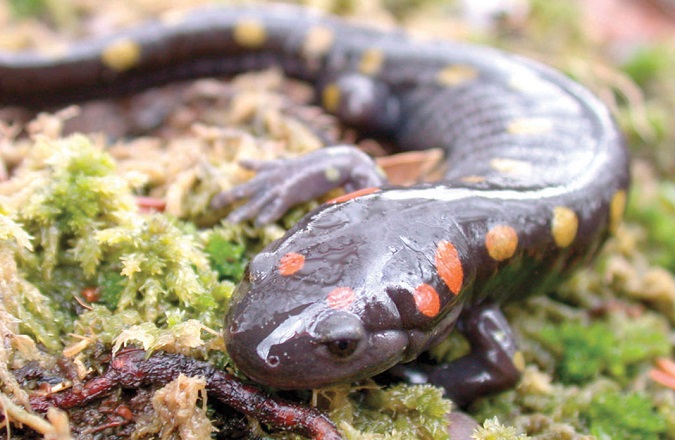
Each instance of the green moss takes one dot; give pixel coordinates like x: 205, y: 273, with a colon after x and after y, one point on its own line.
x: 12, y: 234
x: 655, y: 210
x: 226, y: 251
x: 73, y: 193
x: 28, y: 8
x: 587, y: 350
x: 650, y: 63
x: 620, y: 416
x: 159, y: 264
x: 558, y: 24
x: 399, y: 412
x: 106, y: 324
x: 493, y: 430
x: 88, y: 233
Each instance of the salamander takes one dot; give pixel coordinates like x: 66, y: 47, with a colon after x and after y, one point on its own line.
x: 536, y: 179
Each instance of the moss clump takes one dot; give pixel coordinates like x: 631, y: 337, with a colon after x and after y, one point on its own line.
x: 225, y: 250
x: 493, y: 430
x: 71, y: 193
x: 605, y: 347
x: 27, y: 8
x: 88, y: 236
x: 650, y: 63
x: 399, y: 412
x: 615, y: 415
x: 157, y: 260
x: 655, y: 210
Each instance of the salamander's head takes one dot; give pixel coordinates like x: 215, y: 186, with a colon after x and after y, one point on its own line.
x: 327, y: 304
x: 291, y: 343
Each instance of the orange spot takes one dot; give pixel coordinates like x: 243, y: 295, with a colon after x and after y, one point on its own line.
x: 340, y: 298
x: 353, y: 195
x: 501, y: 242
x: 449, y: 266
x: 427, y: 300
x: 291, y: 263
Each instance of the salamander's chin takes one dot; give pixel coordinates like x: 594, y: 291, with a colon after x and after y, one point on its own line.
x: 306, y: 362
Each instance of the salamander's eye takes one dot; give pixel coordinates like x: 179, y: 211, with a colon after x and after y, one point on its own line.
x: 341, y: 333
x: 342, y: 347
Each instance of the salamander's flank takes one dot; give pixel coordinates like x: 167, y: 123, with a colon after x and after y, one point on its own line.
x: 537, y: 179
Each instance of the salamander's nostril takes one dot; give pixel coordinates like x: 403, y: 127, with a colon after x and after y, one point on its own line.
x: 341, y: 333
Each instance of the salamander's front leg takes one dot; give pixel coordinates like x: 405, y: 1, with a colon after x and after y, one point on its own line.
x: 494, y: 363
x: 280, y: 184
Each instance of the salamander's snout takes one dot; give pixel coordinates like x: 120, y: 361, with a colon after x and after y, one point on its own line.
x: 342, y: 334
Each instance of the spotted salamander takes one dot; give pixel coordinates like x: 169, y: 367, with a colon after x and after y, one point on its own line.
x: 536, y: 179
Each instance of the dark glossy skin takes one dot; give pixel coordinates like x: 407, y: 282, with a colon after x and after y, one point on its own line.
x: 537, y: 177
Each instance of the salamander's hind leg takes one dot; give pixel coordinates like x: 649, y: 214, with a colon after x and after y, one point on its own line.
x: 494, y: 363
x: 280, y: 184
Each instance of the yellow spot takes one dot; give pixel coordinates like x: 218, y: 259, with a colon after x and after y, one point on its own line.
x: 371, y: 61
x: 501, y: 242
x: 564, y: 226
x: 523, y: 81
x: 518, y: 361
x: 174, y: 17
x: 332, y: 174
x: 318, y: 41
x: 511, y: 166
x: 616, y: 208
x: 121, y: 55
x: 529, y: 126
x: 456, y: 74
x: 473, y: 179
x: 250, y: 33
x: 53, y: 51
x: 330, y: 97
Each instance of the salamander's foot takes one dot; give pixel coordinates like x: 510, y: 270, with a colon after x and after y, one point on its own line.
x: 280, y: 184
x: 494, y: 363
x: 461, y: 426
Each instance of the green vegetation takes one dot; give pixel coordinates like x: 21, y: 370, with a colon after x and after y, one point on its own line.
x: 87, y: 232
x: 631, y: 416
x: 398, y: 412
x: 26, y: 8
x: 655, y: 210
x: 493, y: 430
x: 587, y: 350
